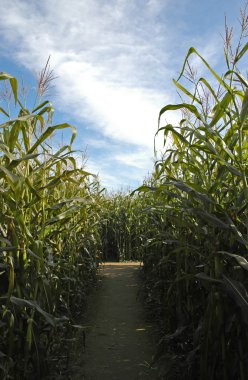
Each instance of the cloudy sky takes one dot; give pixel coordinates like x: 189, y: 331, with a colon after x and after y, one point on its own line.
x: 114, y: 61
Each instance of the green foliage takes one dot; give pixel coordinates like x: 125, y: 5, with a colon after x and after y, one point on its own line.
x: 188, y: 223
x: 123, y: 226
x: 196, y: 267
x: 49, y: 238
x: 191, y: 225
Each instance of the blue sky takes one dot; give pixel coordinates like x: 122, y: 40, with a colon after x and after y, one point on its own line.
x: 115, y: 61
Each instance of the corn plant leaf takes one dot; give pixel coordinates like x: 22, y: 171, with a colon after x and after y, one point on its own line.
x: 23, y: 118
x: 71, y: 200
x: 20, y: 302
x: 41, y: 106
x: 244, y: 110
x: 238, y: 293
x: 63, y: 215
x: 15, y: 162
x: 235, y: 230
x: 144, y: 188
x: 5, y: 149
x: 11, y: 276
x: 213, y: 219
x: 5, y: 240
x: 33, y: 190
x: 238, y: 75
x: 174, y: 107
x: 241, y: 53
x: 209, y: 87
x: 4, y: 112
x: 8, y: 249
x: 11, y: 177
x: 240, y: 259
x: 49, y: 131
x: 191, y: 51
x: 31, y: 253
x: 193, y: 190
x: 21, y: 222
x: 13, y: 82
x: 203, y: 276
x: 173, y: 130
x: 49, y: 109
x: 221, y: 108
x: 81, y: 327
x: 183, y: 89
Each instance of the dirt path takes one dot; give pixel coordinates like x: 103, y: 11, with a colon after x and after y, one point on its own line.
x: 119, y: 343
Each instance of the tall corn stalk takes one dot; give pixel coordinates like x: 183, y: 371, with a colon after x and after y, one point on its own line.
x: 48, y: 237
x: 198, y: 280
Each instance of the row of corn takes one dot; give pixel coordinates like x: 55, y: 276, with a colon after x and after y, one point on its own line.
x: 189, y: 222
x: 49, y: 237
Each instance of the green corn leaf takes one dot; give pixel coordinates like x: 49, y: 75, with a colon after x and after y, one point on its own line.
x: 194, y: 51
x: 49, y: 131
x: 193, y: 190
x: 241, y: 53
x: 238, y: 75
x: 19, y: 119
x: 71, y: 200
x: 4, y: 112
x: 11, y: 177
x: 20, y: 302
x: 175, y: 133
x: 209, y: 87
x: 41, y: 106
x: 183, y: 89
x: 16, y: 161
x: 174, y: 107
x: 235, y: 230
x: 244, y: 110
x: 212, y: 219
x: 63, y: 215
x: 21, y: 222
x: 221, y: 108
x: 13, y: 83
x: 11, y: 277
x: 14, y: 134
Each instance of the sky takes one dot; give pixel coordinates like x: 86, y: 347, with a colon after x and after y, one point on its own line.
x: 114, y: 61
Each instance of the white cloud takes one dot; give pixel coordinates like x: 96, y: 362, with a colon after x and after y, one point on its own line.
x: 124, y: 113
x: 139, y: 159
x: 102, y: 169
x: 97, y: 143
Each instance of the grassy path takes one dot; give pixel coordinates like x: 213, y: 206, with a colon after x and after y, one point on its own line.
x: 118, y: 344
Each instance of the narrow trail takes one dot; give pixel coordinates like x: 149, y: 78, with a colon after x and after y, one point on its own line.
x: 119, y: 344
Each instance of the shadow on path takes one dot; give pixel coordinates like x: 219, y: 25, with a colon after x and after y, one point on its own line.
x: 118, y: 343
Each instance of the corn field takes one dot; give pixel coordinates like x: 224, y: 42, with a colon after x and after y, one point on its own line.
x: 195, y: 265
x: 188, y: 224
x: 48, y: 238
x: 123, y: 228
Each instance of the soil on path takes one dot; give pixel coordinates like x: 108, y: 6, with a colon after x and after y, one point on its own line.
x: 119, y: 344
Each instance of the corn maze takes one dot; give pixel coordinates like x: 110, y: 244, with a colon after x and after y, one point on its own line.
x: 188, y: 223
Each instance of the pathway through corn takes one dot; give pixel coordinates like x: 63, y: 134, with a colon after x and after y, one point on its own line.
x: 119, y: 344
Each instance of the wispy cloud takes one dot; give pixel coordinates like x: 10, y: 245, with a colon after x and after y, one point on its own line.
x: 140, y: 159
x: 114, y: 60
